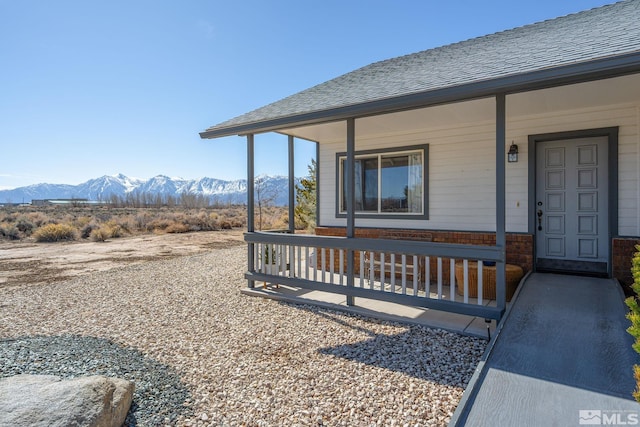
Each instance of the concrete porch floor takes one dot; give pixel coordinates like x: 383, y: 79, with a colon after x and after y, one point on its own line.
x: 466, y: 325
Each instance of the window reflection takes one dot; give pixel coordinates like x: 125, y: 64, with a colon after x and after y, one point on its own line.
x: 386, y: 183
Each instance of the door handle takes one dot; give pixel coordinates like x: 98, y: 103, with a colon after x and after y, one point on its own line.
x: 539, y: 219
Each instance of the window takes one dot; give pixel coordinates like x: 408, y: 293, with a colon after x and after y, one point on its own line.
x: 387, y: 183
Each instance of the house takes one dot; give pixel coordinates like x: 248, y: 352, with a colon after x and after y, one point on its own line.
x: 517, y: 148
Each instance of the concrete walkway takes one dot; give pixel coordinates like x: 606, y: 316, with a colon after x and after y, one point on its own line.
x: 561, y: 357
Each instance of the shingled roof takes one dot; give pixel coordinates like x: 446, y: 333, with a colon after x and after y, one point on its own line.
x: 597, y: 43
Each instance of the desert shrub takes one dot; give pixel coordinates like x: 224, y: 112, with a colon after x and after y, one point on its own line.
x: 634, y: 316
x: 69, y: 218
x: 55, y: 233
x: 87, y: 229
x: 274, y: 219
x: 237, y: 222
x: 188, y: 217
x: 81, y: 221
x: 38, y: 218
x: 177, y: 227
x: 127, y: 224
x: 158, y: 224
x: 114, y: 229
x: 103, y: 216
x: 281, y: 221
x: 10, y: 232
x: 198, y: 222
x: 127, y: 221
x: 10, y: 217
x: 99, y: 234
x: 202, y: 221
x: 25, y: 226
x: 141, y: 220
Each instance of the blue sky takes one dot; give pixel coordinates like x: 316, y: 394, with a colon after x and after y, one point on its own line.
x: 92, y: 88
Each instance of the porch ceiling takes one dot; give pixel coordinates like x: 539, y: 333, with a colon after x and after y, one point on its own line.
x: 583, y: 95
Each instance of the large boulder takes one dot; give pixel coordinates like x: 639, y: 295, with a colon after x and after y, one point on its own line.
x: 48, y: 400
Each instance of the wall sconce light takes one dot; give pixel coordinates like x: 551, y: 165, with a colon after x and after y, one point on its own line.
x: 512, y: 155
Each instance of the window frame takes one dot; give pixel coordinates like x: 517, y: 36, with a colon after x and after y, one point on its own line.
x: 424, y: 215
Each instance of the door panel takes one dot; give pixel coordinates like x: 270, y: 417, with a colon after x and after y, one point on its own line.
x: 571, y: 205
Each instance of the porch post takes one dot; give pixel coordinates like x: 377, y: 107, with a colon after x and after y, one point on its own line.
x: 292, y: 198
x: 351, y: 201
x: 501, y: 239
x: 250, y: 206
x: 317, y: 183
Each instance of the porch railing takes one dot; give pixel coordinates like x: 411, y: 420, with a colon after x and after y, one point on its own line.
x: 400, y: 271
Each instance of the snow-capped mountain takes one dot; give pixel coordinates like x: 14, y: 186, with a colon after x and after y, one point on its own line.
x: 217, y: 190
x: 98, y: 188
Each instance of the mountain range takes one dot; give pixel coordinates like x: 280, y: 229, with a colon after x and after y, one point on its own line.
x: 103, y: 188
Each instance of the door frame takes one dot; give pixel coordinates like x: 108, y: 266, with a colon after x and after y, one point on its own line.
x: 612, y: 179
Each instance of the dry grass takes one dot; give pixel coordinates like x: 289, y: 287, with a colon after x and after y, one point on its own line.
x: 55, y: 233
x: 102, y: 223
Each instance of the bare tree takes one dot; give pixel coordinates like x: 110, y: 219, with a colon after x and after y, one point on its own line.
x: 265, y: 195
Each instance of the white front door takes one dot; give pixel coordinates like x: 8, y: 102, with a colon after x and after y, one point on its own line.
x: 572, y: 215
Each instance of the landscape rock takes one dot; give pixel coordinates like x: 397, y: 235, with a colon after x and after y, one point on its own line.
x: 48, y: 400
x: 236, y: 359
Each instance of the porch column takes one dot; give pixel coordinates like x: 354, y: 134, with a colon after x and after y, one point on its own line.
x: 250, y: 206
x: 501, y: 239
x: 292, y: 189
x: 351, y: 201
x: 317, y: 182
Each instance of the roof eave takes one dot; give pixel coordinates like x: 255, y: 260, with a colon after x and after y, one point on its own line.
x: 613, y: 66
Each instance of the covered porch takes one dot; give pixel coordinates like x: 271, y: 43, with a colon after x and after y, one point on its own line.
x: 449, y: 277
x: 409, y: 267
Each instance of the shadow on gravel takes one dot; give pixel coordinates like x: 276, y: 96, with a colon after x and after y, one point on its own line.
x: 425, y: 353
x: 159, y: 396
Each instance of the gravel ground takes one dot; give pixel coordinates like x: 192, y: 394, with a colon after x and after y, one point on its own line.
x: 203, y: 354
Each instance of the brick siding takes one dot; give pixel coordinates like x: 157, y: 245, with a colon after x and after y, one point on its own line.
x: 623, y: 251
